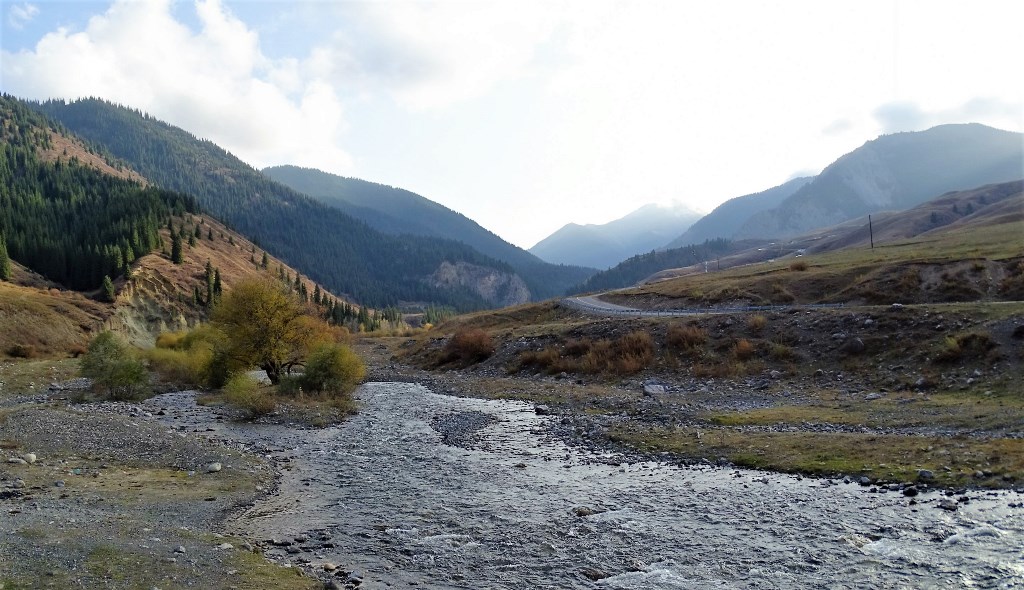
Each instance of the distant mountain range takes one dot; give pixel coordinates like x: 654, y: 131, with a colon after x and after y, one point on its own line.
x: 397, y: 211
x: 605, y: 245
x: 894, y: 172
x: 727, y: 219
x: 334, y: 248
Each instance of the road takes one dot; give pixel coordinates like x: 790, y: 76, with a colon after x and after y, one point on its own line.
x: 592, y: 305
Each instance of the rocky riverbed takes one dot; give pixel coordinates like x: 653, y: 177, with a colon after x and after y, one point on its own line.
x: 422, y: 490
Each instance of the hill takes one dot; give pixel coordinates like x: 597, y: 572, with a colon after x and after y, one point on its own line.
x: 894, y: 172
x: 605, y: 245
x: 726, y: 219
x: 397, y: 211
x: 331, y: 247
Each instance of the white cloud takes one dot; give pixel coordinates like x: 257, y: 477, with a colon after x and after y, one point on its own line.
x: 214, y: 82
x: 899, y: 116
x: 21, y: 14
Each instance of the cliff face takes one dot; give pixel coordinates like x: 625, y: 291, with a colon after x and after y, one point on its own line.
x: 501, y: 289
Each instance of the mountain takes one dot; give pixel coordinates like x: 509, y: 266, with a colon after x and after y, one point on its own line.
x: 894, y: 172
x: 726, y: 219
x: 397, y: 211
x: 634, y: 270
x: 605, y: 245
x: 335, y: 249
x: 92, y: 246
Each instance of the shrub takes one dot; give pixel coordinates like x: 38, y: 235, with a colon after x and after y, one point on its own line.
x: 743, y: 350
x: 798, y: 266
x: 186, y: 367
x: 170, y: 339
x: 972, y: 345
x: 757, y: 322
x: 333, y: 369
x: 683, y: 338
x: 22, y: 351
x: 114, y: 368
x: 469, y: 346
x: 244, y: 393
x: 781, y: 352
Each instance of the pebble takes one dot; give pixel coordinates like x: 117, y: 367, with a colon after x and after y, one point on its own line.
x: 213, y: 467
x: 17, y: 461
x: 29, y: 458
x: 225, y: 546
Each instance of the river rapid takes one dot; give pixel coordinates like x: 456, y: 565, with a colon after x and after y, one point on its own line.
x: 421, y: 490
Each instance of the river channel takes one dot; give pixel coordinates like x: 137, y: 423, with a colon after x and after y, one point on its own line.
x: 421, y: 490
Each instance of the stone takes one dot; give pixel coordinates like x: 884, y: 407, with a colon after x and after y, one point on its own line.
x: 594, y: 574
x: 775, y: 374
x: 948, y: 505
x: 582, y: 511
x: 214, y: 467
x: 29, y: 458
x: 179, y: 549
x: 653, y: 388
x: 18, y: 483
x: 925, y: 475
x: 873, y: 396
x: 225, y: 546
x: 864, y: 480
x: 17, y: 461
x: 910, y: 491
x: 329, y: 567
x: 542, y: 410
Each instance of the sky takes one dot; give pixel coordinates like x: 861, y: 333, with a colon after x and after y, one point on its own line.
x: 526, y: 115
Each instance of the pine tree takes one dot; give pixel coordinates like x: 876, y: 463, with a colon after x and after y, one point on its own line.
x: 176, y: 255
x: 108, y: 288
x: 217, y: 287
x: 265, y: 261
x: 5, y: 261
x: 209, y: 234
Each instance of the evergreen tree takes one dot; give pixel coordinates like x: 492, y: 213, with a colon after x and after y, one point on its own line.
x: 265, y: 261
x: 217, y: 288
x: 191, y: 241
x: 5, y: 261
x: 108, y: 288
x: 209, y: 234
x: 176, y: 255
x: 196, y: 234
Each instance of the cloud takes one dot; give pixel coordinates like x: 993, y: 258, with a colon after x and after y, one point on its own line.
x: 894, y: 117
x: 21, y: 14
x: 215, y: 80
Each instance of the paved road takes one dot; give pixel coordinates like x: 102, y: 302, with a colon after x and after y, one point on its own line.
x: 591, y: 304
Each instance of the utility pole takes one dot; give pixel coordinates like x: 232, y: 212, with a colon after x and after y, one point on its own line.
x: 871, y: 232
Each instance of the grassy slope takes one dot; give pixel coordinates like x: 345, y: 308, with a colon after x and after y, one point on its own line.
x: 948, y: 372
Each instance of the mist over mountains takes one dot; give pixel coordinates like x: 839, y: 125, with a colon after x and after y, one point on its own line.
x: 605, y: 245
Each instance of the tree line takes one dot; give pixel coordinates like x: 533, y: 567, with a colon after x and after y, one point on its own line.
x: 67, y: 221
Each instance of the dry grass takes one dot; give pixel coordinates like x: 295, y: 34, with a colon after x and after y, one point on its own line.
x: 467, y: 346
x: 885, y: 457
x: 756, y: 323
x: 627, y: 355
x: 684, y: 338
x: 53, y: 323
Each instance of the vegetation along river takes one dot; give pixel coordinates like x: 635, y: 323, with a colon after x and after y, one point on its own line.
x: 432, y: 491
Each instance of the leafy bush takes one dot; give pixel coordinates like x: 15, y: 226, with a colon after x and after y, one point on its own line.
x: 170, y: 339
x: 244, y: 393
x: 185, y: 367
x: 332, y: 369
x: 971, y: 345
x: 114, y: 368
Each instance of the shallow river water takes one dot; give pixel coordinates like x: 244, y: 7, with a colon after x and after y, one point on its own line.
x: 511, y: 508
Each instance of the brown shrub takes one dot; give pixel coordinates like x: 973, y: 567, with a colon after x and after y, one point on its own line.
x: 22, y: 351
x: 469, y: 346
x: 798, y: 266
x: 757, y: 322
x: 684, y: 338
x: 627, y: 355
x: 743, y: 350
x: 76, y: 350
x: 781, y: 352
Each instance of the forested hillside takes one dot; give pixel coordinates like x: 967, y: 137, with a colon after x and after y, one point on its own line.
x: 345, y: 254
x: 67, y: 221
x: 398, y: 211
x: 630, y: 272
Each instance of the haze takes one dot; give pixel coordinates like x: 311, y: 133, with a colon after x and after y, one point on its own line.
x: 528, y: 115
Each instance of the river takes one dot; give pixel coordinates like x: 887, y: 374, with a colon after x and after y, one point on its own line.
x: 421, y: 490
